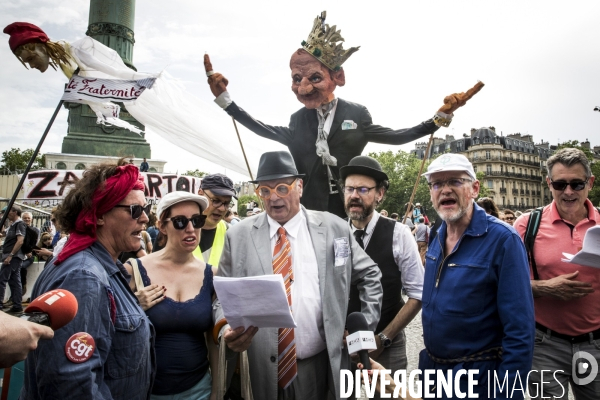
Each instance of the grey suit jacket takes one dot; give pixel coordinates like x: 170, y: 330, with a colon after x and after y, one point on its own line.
x: 247, y: 252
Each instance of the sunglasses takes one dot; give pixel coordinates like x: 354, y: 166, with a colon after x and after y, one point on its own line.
x: 281, y: 190
x: 575, y: 185
x: 137, y: 210
x: 180, y: 222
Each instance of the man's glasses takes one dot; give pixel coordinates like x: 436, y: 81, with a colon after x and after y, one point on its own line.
x: 453, y: 183
x: 218, y: 203
x: 137, y: 210
x: 361, y: 190
x: 180, y: 222
x: 281, y: 190
x: 575, y: 185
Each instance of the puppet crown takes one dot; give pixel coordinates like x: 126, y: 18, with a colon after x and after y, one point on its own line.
x: 325, y: 44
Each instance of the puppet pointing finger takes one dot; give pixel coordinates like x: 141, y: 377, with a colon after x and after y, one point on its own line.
x: 328, y: 132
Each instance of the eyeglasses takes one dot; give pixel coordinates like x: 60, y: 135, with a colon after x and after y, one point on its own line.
x: 281, y: 190
x: 575, y: 185
x: 180, y: 222
x: 509, y: 218
x: 454, y: 182
x: 137, y: 210
x: 218, y: 203
x: 361, y: 190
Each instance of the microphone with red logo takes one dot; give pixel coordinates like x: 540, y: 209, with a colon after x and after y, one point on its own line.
x: 360, y: 339
x: 55, y: 309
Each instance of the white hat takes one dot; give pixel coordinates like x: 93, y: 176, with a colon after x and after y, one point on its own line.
x: 450, y: 162
x: 256, y: 210
x: 178, y: 197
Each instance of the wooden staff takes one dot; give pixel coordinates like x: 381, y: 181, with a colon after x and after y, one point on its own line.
x: 451, y: 103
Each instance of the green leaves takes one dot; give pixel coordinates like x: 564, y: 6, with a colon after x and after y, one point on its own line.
x: 15, y: 160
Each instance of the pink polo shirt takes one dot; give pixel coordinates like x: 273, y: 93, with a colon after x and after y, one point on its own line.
x: 572, y: 317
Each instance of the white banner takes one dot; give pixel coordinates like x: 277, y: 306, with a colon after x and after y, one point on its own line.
x: 44, y: 189
x: 101, y: 90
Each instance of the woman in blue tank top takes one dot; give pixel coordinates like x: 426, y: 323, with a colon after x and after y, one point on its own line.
x: 177, y: 297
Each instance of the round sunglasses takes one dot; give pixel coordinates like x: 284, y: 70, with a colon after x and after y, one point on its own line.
x: 137, y: 210
x: 180, y: 222
x: 575, y: 185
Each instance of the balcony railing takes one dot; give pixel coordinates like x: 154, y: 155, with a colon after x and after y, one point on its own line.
x: 503, y: 190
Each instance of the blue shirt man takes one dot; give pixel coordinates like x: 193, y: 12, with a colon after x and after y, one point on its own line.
x: 144, y: 166
x: 477, y: 300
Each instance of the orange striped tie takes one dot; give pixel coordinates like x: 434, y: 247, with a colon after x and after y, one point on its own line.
x: 286, y: 349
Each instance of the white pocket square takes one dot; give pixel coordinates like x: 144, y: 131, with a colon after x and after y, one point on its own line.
x: 348, y: 124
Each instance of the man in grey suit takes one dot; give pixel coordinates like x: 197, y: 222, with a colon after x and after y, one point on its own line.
x: 328, y: 132
x: 325, y: 262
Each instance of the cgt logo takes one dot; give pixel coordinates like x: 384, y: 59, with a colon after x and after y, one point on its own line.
x: 584, y: 363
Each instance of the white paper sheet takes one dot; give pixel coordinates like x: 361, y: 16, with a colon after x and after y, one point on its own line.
x: 590, y: 253
x: 258, y: 301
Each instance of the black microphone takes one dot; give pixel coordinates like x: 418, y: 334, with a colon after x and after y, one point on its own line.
x: 360, y: 339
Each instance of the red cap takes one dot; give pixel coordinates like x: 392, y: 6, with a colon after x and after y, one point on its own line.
x: 22, y: 33
x: 60, y: 305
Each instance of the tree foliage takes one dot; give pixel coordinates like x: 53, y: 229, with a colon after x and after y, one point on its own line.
x: 243, y: 200
x: 483, y: 189
x: 16, y: 160
x: 594, y: 194
x: 197, y: 173
x: 402, y: 169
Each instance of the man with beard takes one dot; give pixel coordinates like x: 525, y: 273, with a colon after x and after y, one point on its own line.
x: 328, y: 132
x: 393, y: 248
x: 477, y: 301
x: 219, y: 190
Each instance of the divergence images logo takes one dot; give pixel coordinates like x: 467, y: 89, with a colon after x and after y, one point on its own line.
x: 583, y: 363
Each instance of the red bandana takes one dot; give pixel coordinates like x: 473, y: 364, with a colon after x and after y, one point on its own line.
x: 106, y: 197
x: 22, y: 33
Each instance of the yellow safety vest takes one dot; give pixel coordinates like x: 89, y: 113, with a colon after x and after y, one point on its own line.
x: 217, y: 246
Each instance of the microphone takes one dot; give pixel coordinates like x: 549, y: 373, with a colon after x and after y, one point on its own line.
x: 360, y: 339
x: 55, y: 309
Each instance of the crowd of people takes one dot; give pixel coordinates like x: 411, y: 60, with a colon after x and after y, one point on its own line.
x: 493, y: 292
x: 157, y: 322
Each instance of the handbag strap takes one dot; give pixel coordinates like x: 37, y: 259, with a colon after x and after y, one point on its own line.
x: 137, y: 276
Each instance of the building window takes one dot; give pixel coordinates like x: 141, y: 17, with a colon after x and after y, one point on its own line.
x: 490, y: 184
x: 503, y: 200
x: 515, y: 203
x: 488, y: 155
x: 80, y: 166
x: 475, y: 168
x: 513, y: 170
x: 486, y: 139
x: 61, y: 165
x: 488, y: 169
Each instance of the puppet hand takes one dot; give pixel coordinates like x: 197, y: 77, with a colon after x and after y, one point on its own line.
x: 217, y: 82
x: 456, y: 100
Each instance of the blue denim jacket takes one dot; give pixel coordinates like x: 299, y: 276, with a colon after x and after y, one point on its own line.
x: 482, y: 298
x: 122, y: 366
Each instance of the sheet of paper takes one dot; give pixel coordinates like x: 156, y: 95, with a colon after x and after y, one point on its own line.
x: 258, y: 301
x: 590, y: 253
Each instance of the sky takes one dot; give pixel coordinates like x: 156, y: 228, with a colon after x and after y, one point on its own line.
x: 539, y: 61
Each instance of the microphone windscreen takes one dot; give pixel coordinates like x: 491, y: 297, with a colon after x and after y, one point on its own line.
x: 60, y: 305
x: 355, y: 322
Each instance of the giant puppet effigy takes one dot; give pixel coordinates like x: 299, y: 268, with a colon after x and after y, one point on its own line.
x: 328, y: 132
x: 99, y: 78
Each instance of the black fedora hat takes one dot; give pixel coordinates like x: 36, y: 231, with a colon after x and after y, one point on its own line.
x: 363, y: 165
x: 276, y: 165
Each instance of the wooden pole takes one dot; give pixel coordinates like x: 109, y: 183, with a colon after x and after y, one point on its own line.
x: 246, y: 160
x: 412, y: 196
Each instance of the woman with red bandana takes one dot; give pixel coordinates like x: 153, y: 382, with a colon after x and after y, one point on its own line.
x: 113, y: 340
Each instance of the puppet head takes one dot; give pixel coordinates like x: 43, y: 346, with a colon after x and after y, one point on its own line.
x: 317, y: 66
x: 31, y: 45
